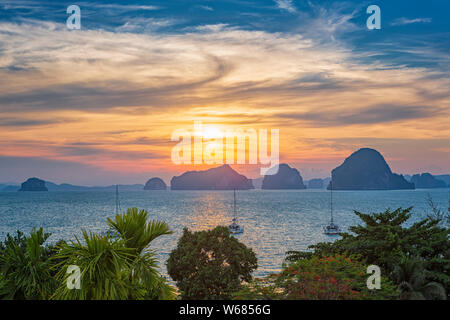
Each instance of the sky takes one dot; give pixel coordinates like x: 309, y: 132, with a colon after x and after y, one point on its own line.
x: 98, y: 106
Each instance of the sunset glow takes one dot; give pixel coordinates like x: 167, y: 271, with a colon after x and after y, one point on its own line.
x: 105, y: 101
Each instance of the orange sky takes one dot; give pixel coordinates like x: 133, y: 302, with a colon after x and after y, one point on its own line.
x: 109, y: 102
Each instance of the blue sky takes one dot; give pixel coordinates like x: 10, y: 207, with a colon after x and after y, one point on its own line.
x: 406, y: 25
x: 100, y: 103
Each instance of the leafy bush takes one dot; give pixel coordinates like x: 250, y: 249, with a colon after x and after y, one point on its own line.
x: 383, y: 240
x: 411, y: 276
x: 25, y: 267
x: 319, y: 278
x: 210, y: 264
x: 116, y: 267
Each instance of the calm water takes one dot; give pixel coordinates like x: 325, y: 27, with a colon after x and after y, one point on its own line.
x: 274, y: 221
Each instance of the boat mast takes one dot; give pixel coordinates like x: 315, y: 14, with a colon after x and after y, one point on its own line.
x: 331, y: 183
x: 234, y: 205
x: 117, y: 199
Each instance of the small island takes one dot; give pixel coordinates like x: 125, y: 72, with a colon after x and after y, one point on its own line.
x: 285, y: 178
x: 427, y: 181
x: 315, y: 184
x: 220, y: 178
x: 33, y: 184
x: 366, y: 169
x: 155, y: 184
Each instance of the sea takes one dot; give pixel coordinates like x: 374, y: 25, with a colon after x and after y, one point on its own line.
x: 274, y: 221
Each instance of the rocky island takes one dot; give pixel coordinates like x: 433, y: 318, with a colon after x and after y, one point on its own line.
x: 155, y: 184
x: 286, y: 178
x: 366, y: 169
x: 33, y: 184
x: 427, y: 181
x: 220, y: 178
x: 315, y: 184
x: 445, y: 178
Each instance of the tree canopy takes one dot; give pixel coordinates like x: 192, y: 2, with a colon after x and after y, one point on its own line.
x: 210, y: 264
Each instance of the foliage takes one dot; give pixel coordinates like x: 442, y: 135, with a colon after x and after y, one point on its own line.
x: 25, y: 267
x: 102, y: 262
x: 138, y: 235
x: 292, y: 256
x: 210, y: 264
x: 437, y: 213
x: 319, y: 278
x: 413, y: 283
x: 383, y: 240
x: 114, y: 268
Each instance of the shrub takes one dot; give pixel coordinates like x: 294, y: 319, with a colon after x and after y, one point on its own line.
x: 117, y: 265
x: 210, y: 264
x: 319, y: 278
x: 25, y: 267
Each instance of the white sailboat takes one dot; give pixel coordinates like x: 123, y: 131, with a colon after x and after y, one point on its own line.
x: 332, y: 228
x: 234, y: 227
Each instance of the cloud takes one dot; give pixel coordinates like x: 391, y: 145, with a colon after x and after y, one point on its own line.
x: 127, y: 91
x: 368, y: 115
x: 63, y: 171
x: 89, y: 151
x: 21, y: 122
x: 406, y: 21
x: 141, y: 25
x: 287, y: 5
x: 207, y: 8
x: 95, y: 70
x: 121, y: 7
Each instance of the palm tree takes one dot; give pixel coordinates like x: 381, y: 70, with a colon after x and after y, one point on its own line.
x: 25, y: 267
x: 137, y: 233
x: 410, y: 274
x: 118, y: 264
x: 103, y: 262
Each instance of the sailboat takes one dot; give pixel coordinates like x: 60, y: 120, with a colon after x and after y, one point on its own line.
x: 331, y: 229
x: 234, y: 227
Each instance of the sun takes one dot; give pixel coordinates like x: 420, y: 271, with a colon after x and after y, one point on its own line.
x: 211, y: 132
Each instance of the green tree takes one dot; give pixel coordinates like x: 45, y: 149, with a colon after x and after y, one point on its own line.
x: 116, y: 265
x: 410, y: 274
x: 210, y: 264
x: 25, y: 267
x: 383, y: 240
x: 319, y: 278
x: 137, y: 234
x: 437, y: 213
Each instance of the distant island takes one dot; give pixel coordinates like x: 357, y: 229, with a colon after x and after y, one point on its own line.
x: 427, y: 181
x: 33, y: 184
x: 315, y: 184
x: 155, y: 184
x: 366, y: 169
x: 69, y: 187
x: 220, y: 178
x: 285, y: 178
x: 444, y: 177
